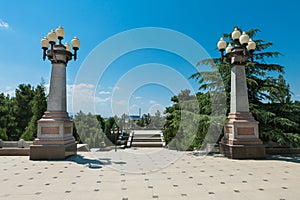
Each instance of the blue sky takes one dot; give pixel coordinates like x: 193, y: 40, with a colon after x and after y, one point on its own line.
x: 24, y: 23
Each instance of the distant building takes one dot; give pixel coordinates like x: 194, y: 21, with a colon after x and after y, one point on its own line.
x: 134, y: 117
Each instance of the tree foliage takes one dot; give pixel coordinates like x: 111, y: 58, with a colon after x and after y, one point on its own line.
x: 157, y: 121
x: 19, y: 114
x: 89, y: 129
x: 38, y: 107
x: 7, y: 119
x: 145, y: 121
x: 191, y: 121
x: 110, y: 123
x: 23, y: 109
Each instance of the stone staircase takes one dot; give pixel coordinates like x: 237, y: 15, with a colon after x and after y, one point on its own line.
x: 147, y: 138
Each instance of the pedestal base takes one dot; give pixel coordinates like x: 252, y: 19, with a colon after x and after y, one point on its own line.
x: 241, y: 138
x: 52, y: 152
x: 242, y: 151
x: 54, y: 139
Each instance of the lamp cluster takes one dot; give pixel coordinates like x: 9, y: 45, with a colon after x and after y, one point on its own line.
x: 58, y: 34
x: 242, y: 41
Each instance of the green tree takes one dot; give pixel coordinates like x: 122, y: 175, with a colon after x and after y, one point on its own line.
x: 146, y: 118
x: 75, y: 134
x: 7, y: 119
x: 3, y: 135
x: 121, y: 122
x: 186, y: 126
x: 157, y: 120
x: 23, y: 108
x: 39, y: 106
x: 101, y: 121
x: 109, y: 124
x: 89, y: 129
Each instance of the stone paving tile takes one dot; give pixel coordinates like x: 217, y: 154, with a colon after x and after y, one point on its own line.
x: 149, y: 174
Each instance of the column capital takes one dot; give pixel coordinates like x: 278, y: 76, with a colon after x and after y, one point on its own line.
x: 59, y: 54
x: 239, y: 55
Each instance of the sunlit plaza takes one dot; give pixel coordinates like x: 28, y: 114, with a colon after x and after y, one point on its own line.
x: 125, y: 175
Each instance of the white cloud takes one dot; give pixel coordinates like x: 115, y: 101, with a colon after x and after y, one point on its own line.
x: 104, y: 92
x: 9, y: 91
x: 116, y: 88
x: 137, y: 97
x: 84, y: 86
x: 121, y: 102
x: 4, y: 24
x: 134, y: 106
x: 83, y: 97
x: 8, y: 88
x: 102, y: 100
x: 152, y: 102
x: 47, y: 87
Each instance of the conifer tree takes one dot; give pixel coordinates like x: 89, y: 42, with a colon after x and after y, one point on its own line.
x: 38, y: 107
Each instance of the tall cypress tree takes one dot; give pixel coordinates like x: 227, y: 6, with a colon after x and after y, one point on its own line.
x: 22, y: 109
x: 38, y: 107
x: 7, y: 121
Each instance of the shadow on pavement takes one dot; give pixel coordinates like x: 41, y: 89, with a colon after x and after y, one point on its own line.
x: 93, y: 163
x: 286, y: 158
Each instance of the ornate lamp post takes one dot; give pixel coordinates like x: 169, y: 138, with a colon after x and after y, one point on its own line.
x: 55, y: 129
x: 241, y: 138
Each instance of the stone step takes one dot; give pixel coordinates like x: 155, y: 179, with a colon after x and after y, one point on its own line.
x: 145, y: 139
x: 147, y: 144
x: 148, y: 135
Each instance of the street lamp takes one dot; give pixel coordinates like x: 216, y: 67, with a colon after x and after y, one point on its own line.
x: 55, y: 129
x: 242, y: 50
x: 241, y: 138
x: 50, y: 40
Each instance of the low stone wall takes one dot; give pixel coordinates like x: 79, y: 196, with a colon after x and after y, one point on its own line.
x: 280, y: 151
x: 14, y: 151
x: 22, y: 148
x: 15, y: 144
x: 15, y: 148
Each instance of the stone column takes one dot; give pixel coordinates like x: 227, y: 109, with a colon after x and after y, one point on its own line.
x: 57, y: 92
x: 241, y: 136
x: 239, y: 96
x: 55, y: 139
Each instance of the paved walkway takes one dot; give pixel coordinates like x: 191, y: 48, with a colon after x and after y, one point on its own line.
x: 149, y: 174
